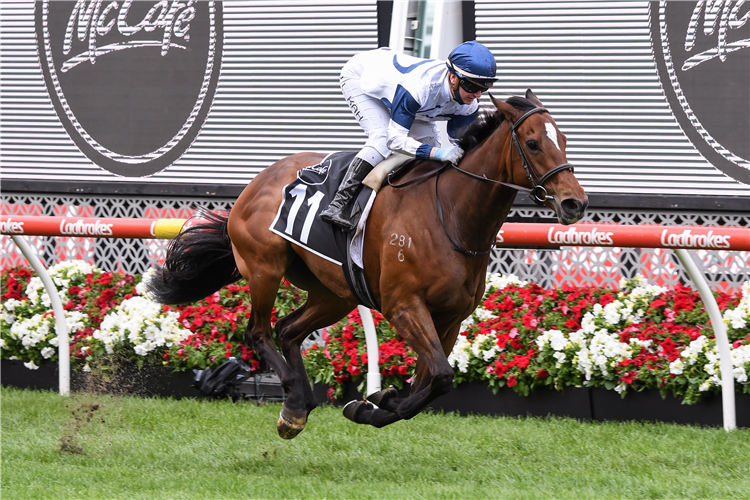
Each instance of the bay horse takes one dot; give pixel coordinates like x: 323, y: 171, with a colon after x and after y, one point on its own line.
x: 425, y: 289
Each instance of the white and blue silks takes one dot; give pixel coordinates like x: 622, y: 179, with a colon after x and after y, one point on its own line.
x: 397, y: 99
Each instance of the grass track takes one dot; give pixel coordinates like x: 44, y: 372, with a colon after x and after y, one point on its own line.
x: 161, y: 448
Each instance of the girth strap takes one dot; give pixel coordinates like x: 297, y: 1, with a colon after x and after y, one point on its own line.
x: 356, y: 279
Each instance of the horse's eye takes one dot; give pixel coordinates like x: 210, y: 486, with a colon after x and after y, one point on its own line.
x: 532, y: 145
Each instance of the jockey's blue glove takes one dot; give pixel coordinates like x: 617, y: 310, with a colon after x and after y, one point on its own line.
x: 452, y: 154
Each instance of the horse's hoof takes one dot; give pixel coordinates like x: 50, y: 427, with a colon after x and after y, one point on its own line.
x: 378, y: 398
x: 355, y: 409
x: 289, y: 427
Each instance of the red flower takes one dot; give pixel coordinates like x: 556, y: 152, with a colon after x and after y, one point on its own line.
x: 606, y: 299
x: 502, y: 340
x: 629, y: 377
x: 542, y: 374
x: 512, y: 381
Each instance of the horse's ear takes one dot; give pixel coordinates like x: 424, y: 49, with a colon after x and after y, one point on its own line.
x: 534, y: 99
x: 506, y: 109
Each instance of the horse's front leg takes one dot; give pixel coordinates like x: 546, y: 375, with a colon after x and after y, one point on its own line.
x: 415, y: 324
x: 388, y: 399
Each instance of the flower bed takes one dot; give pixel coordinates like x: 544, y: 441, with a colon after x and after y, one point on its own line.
x: 525, y: 337
x: 640, y: 337
x: 522, y: 336
x: 110, y: 320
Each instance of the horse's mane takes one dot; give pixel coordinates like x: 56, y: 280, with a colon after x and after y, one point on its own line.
x: 486, y: 123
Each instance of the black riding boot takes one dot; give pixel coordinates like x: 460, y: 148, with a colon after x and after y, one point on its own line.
x: 337, y: 212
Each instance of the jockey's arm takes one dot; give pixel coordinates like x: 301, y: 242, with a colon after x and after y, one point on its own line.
x: 457, y: 123
x: 403, y: 112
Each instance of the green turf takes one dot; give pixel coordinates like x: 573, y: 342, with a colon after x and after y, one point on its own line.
x: 160, y: 448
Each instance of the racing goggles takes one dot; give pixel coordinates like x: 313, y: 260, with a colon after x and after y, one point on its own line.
x: 473, y: 87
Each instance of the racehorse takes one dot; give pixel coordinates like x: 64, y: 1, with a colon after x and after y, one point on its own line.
x: 425, y: 287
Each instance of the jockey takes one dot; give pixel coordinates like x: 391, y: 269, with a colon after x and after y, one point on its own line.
x: 397, y: 99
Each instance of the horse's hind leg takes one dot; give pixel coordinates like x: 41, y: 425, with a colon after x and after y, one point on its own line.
x: 259, y: 335
x: 322, y: 309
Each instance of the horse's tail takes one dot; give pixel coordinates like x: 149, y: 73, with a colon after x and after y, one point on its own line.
x: 199, y: 262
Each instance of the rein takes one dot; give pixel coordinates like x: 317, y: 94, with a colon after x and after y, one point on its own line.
x: 537, y: 192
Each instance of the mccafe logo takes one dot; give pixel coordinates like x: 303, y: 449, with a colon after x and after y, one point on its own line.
x: 702, y: 52
x: 132, y: 82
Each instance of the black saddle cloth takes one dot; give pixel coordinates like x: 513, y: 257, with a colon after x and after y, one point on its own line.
x: 298, y: 218
x: 303, y: 199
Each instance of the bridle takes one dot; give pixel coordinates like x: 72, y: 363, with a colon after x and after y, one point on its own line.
x: 537, y: 192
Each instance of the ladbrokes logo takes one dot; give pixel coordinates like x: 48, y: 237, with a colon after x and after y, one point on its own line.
x: 132, y: 82
x: 702, y: 51
x: 573, y: 236
x: 10, y: 226
x: 81, y: 228
x: 686, y: 239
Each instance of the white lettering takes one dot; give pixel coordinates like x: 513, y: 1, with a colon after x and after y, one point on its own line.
x: 686, y: 239
x: 90, y: 21
x: 575, y: 237
x: 725, y: 15
x: 9, y: 226
x: 101, y: 28
x: 80, y: 228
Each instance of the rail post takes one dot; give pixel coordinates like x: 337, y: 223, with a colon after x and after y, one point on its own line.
x: 63, y: 346
x: 373, y: 354
x: 720, y: 333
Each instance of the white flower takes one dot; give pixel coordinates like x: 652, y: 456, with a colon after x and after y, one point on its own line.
x: 676, y: 367
x: 11, y: 304
x: 483, y: 314
x: 577, y: 337
x: 61, y: 275
x: 142, y: 287
x: 555, y: 338
x: 459, y: 356
x: 143, y: 323
x: 498, y: 281
x: 9, y: 307
x: 31, y: 365
x: 48, y: 352
x: 739, y: 317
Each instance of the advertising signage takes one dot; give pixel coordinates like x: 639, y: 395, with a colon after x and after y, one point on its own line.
x: 131, y: 82
x: 702, y: 52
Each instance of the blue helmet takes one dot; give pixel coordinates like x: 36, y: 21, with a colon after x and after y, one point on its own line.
x: 473, y: 61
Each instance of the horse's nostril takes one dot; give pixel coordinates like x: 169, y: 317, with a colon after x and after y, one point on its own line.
x: 572, y: 206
